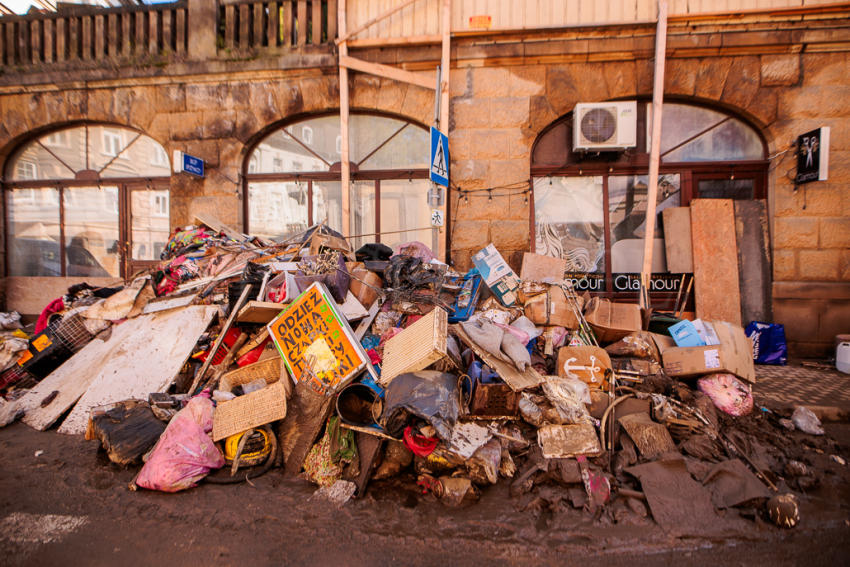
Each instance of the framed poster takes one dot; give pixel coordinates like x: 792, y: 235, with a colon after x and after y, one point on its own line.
x: 316, y: 343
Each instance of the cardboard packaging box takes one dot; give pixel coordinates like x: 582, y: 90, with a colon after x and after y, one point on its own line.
x: 537, y: 267
x: 551, y: 308
x: 612, y: 321
x: 685, y: 334
x: 498, y: 276
x: 734, y: 354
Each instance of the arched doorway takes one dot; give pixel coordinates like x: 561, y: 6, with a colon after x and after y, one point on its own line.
x: 589, y: 208
x: 86, y: 201
x: 292, y: 180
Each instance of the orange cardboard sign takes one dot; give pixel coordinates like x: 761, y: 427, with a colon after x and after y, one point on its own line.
x: 316, y: 344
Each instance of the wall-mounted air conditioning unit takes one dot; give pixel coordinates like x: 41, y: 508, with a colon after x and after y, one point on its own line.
x: 605, y: 126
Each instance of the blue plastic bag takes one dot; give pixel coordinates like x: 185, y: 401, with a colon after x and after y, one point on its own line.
x: 769, y: 345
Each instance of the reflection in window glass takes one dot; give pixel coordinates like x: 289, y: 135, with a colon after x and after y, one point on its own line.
x: 726, y: 189
x: 569, y: 222
x: 327, y: 204
x: 404, y: 150
x: 277, y: 209
x: 34, y: 232
x: 150, y: 226
x: 627, y: 217
x: 404, y: 205
x: 362, y: 213
x: 716, y: 136
x: 91, y: 231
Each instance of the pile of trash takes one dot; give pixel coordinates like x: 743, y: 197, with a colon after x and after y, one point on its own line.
x: 238, y: 355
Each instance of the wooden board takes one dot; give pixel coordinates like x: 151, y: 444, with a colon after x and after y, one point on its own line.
x: 755, y: 275
x: 565, y: 441
x: 537, y: 267
x: 677, y: 239
x: 145, y: 355
x: 716, y: 291
x: 517, y: 380
x: 416, y: 347
x: 169, y: 303
x: 259, y: 312
x: 74, y: 377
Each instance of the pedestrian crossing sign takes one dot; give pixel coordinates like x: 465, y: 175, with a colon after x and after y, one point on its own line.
x: 439, y: 158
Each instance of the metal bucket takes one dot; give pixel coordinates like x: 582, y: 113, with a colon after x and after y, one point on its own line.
x: 358, y: 404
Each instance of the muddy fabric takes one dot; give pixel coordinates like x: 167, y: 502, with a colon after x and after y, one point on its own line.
x: 679, y: 504
x: 731, y: 483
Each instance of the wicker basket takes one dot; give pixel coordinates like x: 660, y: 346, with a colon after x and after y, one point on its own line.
x: 254, y: 409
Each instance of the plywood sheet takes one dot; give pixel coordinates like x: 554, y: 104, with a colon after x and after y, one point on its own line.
x: 677, y: 239
x: 259, y: 312
x: 143, y: 356
x: 754, y: 260
x: 716, y: 290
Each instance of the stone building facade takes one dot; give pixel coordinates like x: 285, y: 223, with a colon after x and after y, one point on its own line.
x: 783, y: 74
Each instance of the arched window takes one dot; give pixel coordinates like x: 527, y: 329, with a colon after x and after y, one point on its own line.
x: 293, y: 180
x: 590, y: 207
x: 89, y: 201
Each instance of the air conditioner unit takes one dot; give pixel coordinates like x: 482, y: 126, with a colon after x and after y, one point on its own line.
x: 605, y: 126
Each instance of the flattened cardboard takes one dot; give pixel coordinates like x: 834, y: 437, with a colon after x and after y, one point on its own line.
x: 566, y: 441
x: 677, y: 240
x: 612, y: 321
x: 586, y: 363
x: 537, y: 267
x: 734, y: 354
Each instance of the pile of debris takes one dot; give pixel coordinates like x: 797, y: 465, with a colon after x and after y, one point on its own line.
x: 344, y: 367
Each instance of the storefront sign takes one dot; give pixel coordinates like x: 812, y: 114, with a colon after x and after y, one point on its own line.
x: 439, y: 171
x: 813, y: 156
x: 657, y: 283
x: 583, y: 281
x: 315, y: 343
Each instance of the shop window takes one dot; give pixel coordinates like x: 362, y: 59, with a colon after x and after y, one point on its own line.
x: 590, y: 208
x: 388, y: 191
x: 87, y: 169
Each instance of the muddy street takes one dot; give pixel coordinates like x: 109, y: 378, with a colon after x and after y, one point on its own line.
x: 70, y: 505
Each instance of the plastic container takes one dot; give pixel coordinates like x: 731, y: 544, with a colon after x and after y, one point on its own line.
x: 842, y: 357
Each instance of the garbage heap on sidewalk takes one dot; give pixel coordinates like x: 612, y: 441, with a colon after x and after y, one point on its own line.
x: 347, y: 367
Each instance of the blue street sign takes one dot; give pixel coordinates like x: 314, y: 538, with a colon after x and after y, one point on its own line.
x: 439, y: 158
x: 193, y: 165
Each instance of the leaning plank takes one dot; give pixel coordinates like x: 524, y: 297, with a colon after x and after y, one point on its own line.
x: 515, y: 379
x: 715, y: 251
x: 677, y: 239
x: 754, y: 260
x: 146, y: 353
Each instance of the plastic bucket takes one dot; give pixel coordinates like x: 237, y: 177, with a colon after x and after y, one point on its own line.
x: 842, y: 357
x: 358, y: 404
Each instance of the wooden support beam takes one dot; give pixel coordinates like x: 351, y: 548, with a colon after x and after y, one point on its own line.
x: 445, y: 66
x: 393, y: 41
x: 343, y: 37
x: 385, y: 71
x: 655, y: 150
x: 345, y: 165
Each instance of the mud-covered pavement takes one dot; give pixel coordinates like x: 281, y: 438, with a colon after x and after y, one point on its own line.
x: 69, y: 505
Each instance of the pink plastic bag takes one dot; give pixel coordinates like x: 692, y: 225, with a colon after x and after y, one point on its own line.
x: 728, y: 393
x: 185, y: 453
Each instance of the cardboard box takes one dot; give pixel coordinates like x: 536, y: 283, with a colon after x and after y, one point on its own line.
x: 498, y: 276
x: 612, y: 321
x: 537, y: 267
x: 586, y: 363
x: 734, y: 354
x: 551, y: 308
x: 685, y: 334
